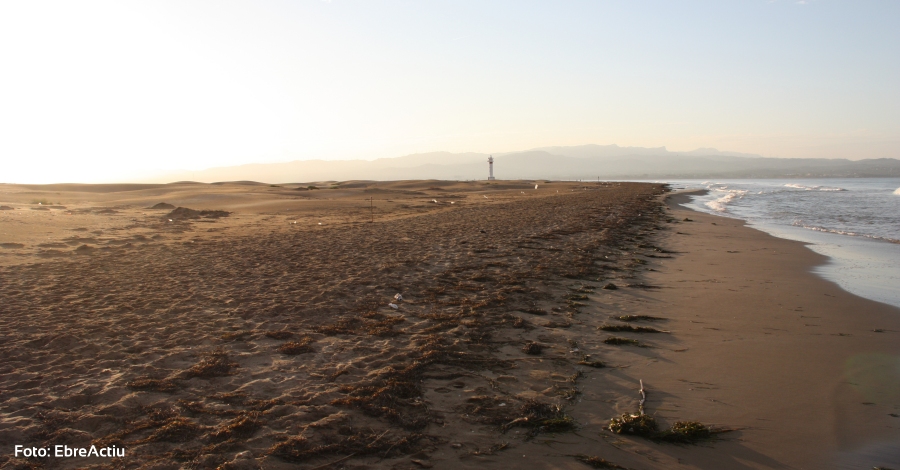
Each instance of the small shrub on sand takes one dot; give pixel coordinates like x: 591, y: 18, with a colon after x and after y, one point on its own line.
x: 634, y: 424
x: 682, y: 432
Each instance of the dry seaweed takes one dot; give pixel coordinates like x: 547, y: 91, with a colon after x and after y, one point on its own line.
x: 152, y: 385
x: 541, y: 417
x: 292, y: 348
x: 279, y: 335
x: 300, y: 449
x: 619, y: 341
x: 532, y: 348
x: 597, y: 462
x: 629, y: 328
x: 216, y: 364
x: 639, y: 318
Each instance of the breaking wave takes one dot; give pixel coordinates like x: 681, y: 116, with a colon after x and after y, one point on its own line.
x: 813, y: 188
x: 721, y: 204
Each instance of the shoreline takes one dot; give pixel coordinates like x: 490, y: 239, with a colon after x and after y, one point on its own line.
x: 864, y: 263
x: 791, y: 336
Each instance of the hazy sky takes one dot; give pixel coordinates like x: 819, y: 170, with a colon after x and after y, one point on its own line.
x: 93, y: 91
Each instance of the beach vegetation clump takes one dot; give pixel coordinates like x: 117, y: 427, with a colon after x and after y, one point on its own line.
x: 629, y: 328
x: 686, y: 432
x: 596, y: 462
x: 619, y: 341
x: 639, y: 318
x: 216, y: 364
x: 292, y: 348
x: 640, y: 424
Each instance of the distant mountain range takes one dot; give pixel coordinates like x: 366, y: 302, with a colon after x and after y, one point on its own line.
x: 557, y: 163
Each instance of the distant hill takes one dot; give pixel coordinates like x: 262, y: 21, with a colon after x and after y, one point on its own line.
x: 579, y: 162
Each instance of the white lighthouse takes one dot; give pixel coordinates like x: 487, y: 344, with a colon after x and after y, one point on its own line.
x: 491, y: 168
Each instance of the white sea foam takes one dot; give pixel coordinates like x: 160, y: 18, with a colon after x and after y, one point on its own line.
x: 843, y: 232
x: 897, y: 192
x: 721, y: 204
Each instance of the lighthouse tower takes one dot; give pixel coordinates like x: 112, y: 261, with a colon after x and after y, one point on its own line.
x: 491, y: 168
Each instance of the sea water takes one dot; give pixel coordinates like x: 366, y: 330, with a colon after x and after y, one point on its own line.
x: 853, y: 221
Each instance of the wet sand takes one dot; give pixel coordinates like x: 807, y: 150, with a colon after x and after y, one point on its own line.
x: 265, y: 338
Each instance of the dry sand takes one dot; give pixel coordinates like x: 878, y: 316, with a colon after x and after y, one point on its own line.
x: 264, y: 338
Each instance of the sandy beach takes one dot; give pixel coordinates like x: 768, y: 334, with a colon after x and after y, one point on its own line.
x: 426, y: 324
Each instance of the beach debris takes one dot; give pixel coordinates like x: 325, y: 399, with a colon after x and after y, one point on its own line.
x: 610, y: 286
x: 484, y: 196
x: 687, y: 220
x: 535, y: 186
x: 586, y: 361
x: 170, y: 220
x: 393, y: 306
x: 398, y: 297
x: 320, y: 223
x: 434, y: 201
x: 451, y: 202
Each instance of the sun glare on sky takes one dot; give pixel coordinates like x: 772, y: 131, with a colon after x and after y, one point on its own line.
x: 101, y: 91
